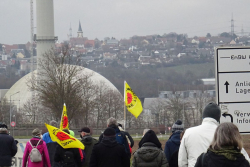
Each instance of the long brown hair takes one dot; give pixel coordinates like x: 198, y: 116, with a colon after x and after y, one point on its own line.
x: 227, y: 134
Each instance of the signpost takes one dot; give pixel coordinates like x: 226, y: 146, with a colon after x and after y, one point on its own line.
x: 232, y: 67
x: 13, y: 124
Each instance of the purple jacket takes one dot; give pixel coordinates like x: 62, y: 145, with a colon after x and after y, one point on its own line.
x: 43, y: 150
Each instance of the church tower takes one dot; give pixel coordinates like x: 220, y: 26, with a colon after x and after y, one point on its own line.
x: 79, y: 32
x: 70, y: 32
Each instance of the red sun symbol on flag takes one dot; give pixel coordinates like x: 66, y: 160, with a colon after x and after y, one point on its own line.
x: 129, y: 98
x: 62, y: 136
x: 65, y: 121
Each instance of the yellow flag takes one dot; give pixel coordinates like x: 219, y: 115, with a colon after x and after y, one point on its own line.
x: 64, y: 120
x: 63, y: 139
x: 132, y: 102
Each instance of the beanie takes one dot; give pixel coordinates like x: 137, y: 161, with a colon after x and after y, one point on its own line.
x: 36, y: 132
x: 212, y: 110
x: 109, y: 132
x: 72, y: 133
x: 178, y: 126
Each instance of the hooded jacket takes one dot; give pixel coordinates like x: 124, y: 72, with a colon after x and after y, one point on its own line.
x: 196, y: 140
x: 210, y: 159
x: 42, y: 149
x: 89, y: 143
x: 172, y: 145
x: 108, y: 153
x: 149, y: 155
x: 8, y: 148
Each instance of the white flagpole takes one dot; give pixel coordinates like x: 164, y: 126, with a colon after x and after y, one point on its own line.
x: 124, y: 105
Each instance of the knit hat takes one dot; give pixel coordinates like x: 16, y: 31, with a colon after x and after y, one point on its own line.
x: 212, y: 110
x: 178, y: 126
x: 72, y: 133
x: 3, y: 128
x: 85, y: 129
x: 36, y: 132
x: 109, y: 132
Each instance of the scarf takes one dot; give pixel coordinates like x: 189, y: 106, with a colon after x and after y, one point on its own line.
x: 229, y: 152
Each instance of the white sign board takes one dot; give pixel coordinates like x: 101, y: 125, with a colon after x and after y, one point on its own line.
x: 232, y: 66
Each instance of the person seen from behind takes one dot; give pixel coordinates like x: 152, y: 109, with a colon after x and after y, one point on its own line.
x: 36, y: 153
x: 225, y: 149
x: 8, y: 148
x: 120, y: 136
x: 89, y: 142
x: 51, y: 145
x: 68, y: 157
x: 108, y: 152
x: 150, y: 152
x: 173, y: 143
x: 173, y: 162
x: 197, y: 140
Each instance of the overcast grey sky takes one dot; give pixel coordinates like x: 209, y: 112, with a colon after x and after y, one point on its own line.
x: 125, y: 18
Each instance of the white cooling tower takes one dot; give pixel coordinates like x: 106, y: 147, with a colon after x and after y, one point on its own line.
x: 45, y: 36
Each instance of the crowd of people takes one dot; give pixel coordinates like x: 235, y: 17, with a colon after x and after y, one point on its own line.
x: 208, y: 145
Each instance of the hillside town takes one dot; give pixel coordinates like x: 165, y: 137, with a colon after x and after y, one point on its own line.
x: 135, y: 52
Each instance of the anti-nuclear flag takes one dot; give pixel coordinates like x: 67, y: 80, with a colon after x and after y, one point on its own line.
x: 63, y: 139
x: 132, y: 102
x: 64, y: 120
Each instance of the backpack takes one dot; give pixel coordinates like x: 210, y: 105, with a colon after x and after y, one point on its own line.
x: 35, y: 155
x: 121, y: 139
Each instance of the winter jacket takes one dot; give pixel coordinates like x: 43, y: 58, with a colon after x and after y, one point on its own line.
x: 196, y: 140
x: 125, y: 142
x: 149, y: 156
x: 89, y: 143
x: 173, y: 162
x: 210, y: 159
x: 129, y: 138
x: 8, y: 149
x: 172, y: 145
x: 46, y: 138
x: 51, y: 146
x: 59, y: 156
x: 108, y: 153
x: 42, y: 149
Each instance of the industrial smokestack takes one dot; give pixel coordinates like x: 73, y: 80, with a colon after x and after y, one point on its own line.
x: 45, y: 36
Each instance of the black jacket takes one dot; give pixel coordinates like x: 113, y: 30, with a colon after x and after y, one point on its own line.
x: 89, y: 143
x: 108, y: 153
x: 59, y: 156
x: 210, y: 159
x: 125, y: 144
x: 8, y: 149
x: 52, y: 149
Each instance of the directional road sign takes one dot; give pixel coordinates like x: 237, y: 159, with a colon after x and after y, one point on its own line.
x: 232, y: 66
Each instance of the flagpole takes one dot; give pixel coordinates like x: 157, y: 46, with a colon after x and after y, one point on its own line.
x: 124, y: 106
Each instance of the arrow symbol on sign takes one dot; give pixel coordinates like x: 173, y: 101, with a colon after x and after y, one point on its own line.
x: 226, y: 83
x: 225, y: 114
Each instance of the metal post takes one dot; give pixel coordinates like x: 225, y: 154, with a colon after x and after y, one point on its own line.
x: 10, y: 104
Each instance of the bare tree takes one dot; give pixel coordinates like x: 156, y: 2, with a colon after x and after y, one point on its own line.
x: 58, y: 82
x: 175, y: 106
x: 34, y: 113
x: 5, y: 111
